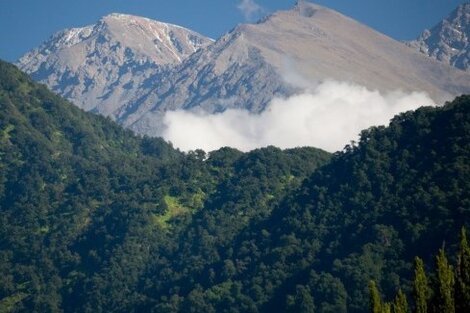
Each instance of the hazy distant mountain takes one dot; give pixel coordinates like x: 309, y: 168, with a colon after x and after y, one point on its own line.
x: 246, y: 68
x: 254, y: 63
x: 449, y: 41
x: 100, y: 66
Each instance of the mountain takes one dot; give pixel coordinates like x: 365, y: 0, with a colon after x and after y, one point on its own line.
x: 100, y: 66
x: 96, y: 219
x: 448, y: 41
x: 277, y: 57
x: 285, y: 53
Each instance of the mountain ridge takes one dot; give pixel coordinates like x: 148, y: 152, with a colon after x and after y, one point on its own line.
x: 282, y: 55
x: 449, y: 40
x: 101, y: 65
x: 254, y: 63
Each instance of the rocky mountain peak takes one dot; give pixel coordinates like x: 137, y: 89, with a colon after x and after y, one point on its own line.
x: 449, y: 40
x: 101, y: 65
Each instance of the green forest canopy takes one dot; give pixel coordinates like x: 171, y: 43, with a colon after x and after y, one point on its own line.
x: 96, y: 219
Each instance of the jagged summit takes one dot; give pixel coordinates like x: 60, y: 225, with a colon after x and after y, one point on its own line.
x: 303, y: 9
x: 129, y: 18
x: 449, y: 40
x: 123, y: 16
x: 161, y: 42
x: 102, y: 65
x: 323, y: 43
x: 309, y: 9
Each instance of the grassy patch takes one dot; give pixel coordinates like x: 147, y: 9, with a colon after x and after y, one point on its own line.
x: 174, y: 208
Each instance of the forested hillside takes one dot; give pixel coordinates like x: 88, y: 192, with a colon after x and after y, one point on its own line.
x: 96, y: 219
x: 81, y: 198
x: 401, y: 191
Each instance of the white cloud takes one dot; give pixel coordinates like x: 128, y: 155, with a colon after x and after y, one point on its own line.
x: 250, y: 9
x: 328, y: 116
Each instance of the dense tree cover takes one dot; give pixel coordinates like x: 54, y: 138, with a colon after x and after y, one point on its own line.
x: 95, y: 219
x: 86, y: 207
x: 443, y: 295
x: 401, y: 190
x: 64, y: 177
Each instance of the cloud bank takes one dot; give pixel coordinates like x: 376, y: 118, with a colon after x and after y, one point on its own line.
x: 329, y: 116
x: 250, y: 9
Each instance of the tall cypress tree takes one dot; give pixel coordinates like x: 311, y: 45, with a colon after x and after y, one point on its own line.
x: 400, y: 304
x: 387, y: 308
x: 462, y: 290
x: 420, y: 287
x: 444, y: 298
x: 375, y: 303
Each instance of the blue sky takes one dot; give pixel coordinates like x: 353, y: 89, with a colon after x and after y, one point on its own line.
x: 24, y: 24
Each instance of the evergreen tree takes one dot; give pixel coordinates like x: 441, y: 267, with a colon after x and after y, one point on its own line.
x: 387, y: 308
x: 444, y: 298
x: 302, y: 302
x: 306, y: 301
x: 420, y: 287
x: 450, y: 292
x: 400, y: 305
x: 375, y: 303
x: 462, y: 290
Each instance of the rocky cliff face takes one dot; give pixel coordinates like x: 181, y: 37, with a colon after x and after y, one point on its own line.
x: 448, y: 41
x: 100, y: 66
